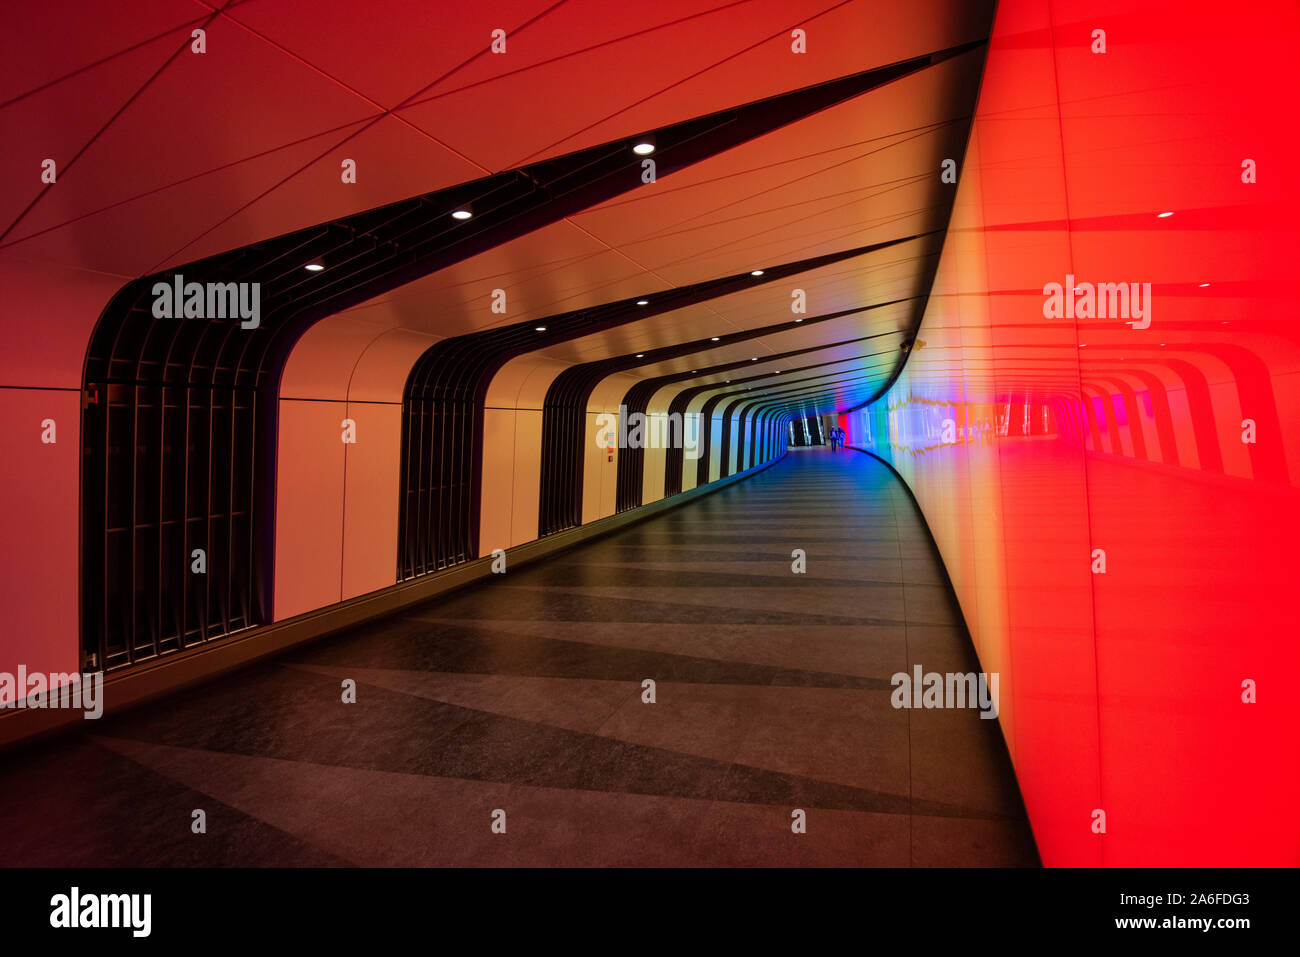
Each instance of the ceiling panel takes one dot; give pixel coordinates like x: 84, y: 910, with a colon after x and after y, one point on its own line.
x: 185, y: 122
x: 525, y: 116
x: 393, y: 162
x: 556, y: 269
x: 576, y: 27
x: 387, y: 50
x: 749, y: 56
x: 87, y: 33
x: 184, y: 155
x: 873, y: 278
x: 173, y: 215
x: 57, y: 123
x: 783, y: 198
x: 799, y: 191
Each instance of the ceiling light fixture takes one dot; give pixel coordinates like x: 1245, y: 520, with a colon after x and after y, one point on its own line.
x: 644, y: 146
x: 756, y: 272
x: 714, y: 339
x: 643, y: 302
x: 539, y: 328
x: 463, y: 213
x: 640, y: 355
x: 1163, y: 215
x: 314, y: 267
x: 1203, y: 285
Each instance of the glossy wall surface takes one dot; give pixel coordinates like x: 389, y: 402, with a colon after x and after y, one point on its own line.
x: 1115, y: 494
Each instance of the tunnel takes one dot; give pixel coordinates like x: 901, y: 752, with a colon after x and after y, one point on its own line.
x: 688, y: 435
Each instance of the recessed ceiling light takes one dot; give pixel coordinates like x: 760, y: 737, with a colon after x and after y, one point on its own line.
x: 643, y: 302
x: 461, y: 214
x: 1203, y: 285
x: 798, y: 320
x: 640, y: 355
x: 1163, y: 215
x: 1083, y: 345
x: 757, y: 272
x: 539, y: 328
x: 644, y: 146
x: 715, y: 339
x: 313, y: 267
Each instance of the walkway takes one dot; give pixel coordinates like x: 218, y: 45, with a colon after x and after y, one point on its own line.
x: 525, y: 694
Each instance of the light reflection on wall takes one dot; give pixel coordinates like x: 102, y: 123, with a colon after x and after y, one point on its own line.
x: 1116, y: 505
x: 915, y: 426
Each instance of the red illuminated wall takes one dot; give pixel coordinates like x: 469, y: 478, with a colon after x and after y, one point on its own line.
x: 1032, y: 440
x: 45, y: 336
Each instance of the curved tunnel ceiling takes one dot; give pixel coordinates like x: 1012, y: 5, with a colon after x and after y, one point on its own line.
x: 777, y: 181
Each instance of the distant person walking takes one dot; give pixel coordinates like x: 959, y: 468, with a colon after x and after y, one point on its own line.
x: 836, y: 435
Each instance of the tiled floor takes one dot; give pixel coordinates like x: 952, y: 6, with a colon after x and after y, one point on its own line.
x: 524, y: 694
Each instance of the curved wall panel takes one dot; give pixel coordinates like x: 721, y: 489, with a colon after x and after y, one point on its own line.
x: 337, y: 504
